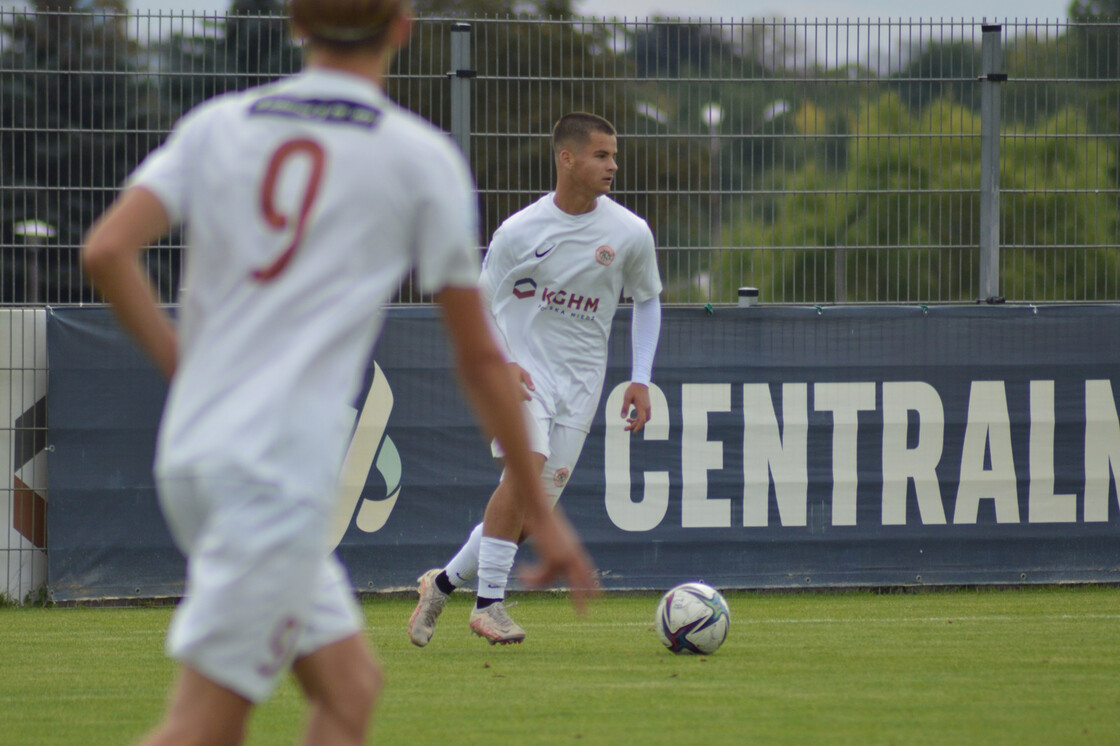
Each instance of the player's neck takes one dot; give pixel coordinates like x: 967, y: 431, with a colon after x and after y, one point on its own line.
x: 372, y: 67
x: 573, y: 201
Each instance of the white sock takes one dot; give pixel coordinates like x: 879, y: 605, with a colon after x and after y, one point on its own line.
x: 495, y: 561
x: 464, y: 565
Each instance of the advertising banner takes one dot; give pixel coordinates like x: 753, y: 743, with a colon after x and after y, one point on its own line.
x: 789, y: 447
x: 23, y: 443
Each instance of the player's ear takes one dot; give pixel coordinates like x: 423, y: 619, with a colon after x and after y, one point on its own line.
x: 400, y: 30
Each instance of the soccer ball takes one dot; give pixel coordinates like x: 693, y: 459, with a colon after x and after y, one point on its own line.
x: 692, y: 618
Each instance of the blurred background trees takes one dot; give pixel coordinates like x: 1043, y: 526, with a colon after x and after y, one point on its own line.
x: 756, y: 161
x: 75, y: 116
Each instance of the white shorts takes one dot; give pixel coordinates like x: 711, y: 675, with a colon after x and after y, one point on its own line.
x: 561, y: 446
x: 262, y: 589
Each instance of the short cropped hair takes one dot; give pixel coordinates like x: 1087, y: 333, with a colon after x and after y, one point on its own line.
x: 344, y: 25
x: 576, y: 128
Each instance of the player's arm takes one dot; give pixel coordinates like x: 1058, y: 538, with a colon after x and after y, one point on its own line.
x: 645, y: 330
x: 521, y: 377
x: 482, y: 370
x: 111, y: 255
x: 495, y: 269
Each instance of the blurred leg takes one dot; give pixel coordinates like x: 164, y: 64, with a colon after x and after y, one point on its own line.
x: 342, y: 683
x: 202, y: 713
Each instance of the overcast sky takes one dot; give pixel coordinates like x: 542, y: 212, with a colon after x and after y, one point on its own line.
x: 992, y: 10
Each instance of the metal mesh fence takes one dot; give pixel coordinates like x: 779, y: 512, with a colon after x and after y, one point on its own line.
x: 828, y: 161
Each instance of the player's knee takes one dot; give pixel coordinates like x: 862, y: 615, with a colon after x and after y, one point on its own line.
x: 372, y: 681
x: 360, y: 693
x: 345, y: 708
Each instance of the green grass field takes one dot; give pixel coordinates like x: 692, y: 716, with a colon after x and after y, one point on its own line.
x: 1017, y: 666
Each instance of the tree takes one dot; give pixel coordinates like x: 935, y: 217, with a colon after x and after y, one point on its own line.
x: 1097, y: 41
x: 942, y: 71
x: 75, y: 119
x: 251, y: 46
x: 1087, y: 10
x: 901, y: 223
x: 529, y: 74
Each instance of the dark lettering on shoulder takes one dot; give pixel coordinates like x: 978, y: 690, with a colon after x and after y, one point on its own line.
x: 328, y: 111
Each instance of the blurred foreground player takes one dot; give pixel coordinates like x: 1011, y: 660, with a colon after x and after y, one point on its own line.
x: 306, y: 203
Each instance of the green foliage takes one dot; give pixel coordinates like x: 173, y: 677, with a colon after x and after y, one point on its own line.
x: 40, y: 597
x: 77, y: 116
x: 528, y: 75
x: 1097, y: 58
x: 1056, y: 181
x: 908, y: 202
x: 942, y: 71
x: 843, y: 185
x: 1086, y: 10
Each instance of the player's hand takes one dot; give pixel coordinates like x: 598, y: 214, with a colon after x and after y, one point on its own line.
x: 560, y: 556
x: 636, y: 409
x: 523, y: 381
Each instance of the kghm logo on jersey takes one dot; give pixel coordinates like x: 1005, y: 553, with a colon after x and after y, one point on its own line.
x: 564, y: 301
x: 604, y: 255
x: 525, y: 288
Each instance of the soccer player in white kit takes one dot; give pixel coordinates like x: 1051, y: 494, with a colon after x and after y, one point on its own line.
x: 306, y: 203
x: 554, y: 274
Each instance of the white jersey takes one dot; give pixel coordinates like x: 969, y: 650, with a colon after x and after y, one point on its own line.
x: 554, y: 281
x: 306, y: 203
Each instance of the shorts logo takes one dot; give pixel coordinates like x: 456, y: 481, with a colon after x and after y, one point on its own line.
x: 525, y: 288
x: 604, y: 255
x: 560, y: 477
x: 281, y: 646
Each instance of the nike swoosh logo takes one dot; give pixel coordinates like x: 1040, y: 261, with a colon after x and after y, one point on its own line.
x: 538, y: 253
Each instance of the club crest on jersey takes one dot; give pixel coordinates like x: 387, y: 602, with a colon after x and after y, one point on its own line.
x: 526, y: 287
x: 604, y: 255
x: 560, y: 478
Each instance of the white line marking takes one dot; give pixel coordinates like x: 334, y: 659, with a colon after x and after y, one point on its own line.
x: 739, y: 620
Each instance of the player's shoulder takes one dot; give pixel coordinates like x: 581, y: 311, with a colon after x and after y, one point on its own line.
x: 620, y: 212
x: 422, y: 149
x: 627, y: 218
x: 408, y: 132
x: 222, y: 114
x: 410, y: 128
x: 222, y: 106
x: 537, y: 210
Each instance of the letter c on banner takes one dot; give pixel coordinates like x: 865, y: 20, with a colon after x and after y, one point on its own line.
x: 624, y: 512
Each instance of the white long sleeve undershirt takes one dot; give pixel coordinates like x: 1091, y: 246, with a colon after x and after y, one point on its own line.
x: 645, y: 329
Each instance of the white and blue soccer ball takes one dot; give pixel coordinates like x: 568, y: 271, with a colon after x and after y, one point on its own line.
x: 692, y: 618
